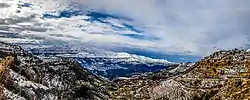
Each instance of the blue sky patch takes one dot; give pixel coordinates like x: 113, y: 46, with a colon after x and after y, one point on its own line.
x: 98, y: 15
x: 63, y: 14
x: 141, y: 37
x: 132, y: 28
x: 24, y: 5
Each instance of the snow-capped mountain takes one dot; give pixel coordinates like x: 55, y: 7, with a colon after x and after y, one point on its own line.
x: 106, y: 63
x: 119, y: 64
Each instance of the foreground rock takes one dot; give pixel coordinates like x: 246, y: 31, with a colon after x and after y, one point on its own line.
x: 23, y: 76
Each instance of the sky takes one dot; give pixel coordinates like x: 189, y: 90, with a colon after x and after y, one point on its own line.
x: 171, y: 27
x: 194, y: 26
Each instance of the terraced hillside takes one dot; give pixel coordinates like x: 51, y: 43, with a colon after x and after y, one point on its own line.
x: 224, y: 75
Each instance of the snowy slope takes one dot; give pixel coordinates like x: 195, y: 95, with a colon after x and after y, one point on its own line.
x: 106, y: 63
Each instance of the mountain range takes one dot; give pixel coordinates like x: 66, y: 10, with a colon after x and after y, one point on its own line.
x: 124, y: 50
x: 223, y: 75
x: 105, y: 63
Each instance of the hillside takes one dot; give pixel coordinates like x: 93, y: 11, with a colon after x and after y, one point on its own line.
x: 24, y: 76
x: 224, y: 75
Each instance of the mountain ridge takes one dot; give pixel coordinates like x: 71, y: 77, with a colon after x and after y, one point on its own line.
x: 106, y: 63
x: 223, y: 75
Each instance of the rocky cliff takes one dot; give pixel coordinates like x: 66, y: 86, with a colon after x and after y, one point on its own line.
x: 23, y: 76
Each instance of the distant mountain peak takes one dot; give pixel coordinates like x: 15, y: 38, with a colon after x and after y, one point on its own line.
x: 106, y: 63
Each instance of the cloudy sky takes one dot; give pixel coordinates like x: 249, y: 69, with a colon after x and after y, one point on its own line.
x: 195, y: 26
x: 183, y: 27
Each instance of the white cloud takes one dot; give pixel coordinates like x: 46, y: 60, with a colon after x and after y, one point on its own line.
x: 197, y: 26
x: 192, y: 27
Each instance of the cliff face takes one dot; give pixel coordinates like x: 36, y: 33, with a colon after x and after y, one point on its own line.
x: 23, y: 76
